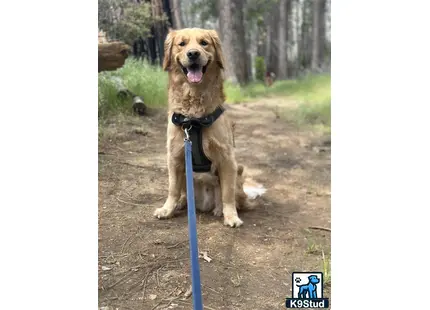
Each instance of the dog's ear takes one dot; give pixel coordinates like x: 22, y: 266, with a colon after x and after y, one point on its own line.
x: 168, y: 44
x: 239, y: 170
x: 218, y: 50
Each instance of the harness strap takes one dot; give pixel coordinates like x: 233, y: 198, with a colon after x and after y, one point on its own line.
x: 195, y: 125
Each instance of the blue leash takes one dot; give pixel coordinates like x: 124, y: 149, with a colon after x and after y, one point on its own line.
x: 192, y: 227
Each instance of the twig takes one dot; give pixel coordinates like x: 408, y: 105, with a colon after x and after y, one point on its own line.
x: 125, y: 243
x: 121, y: 149
x: 162, y: 300
x: 171, y: 300
x: 145, y: 281
x: 175, y: 245
x: 183, y: 301
x: 158, y: 281
x: 188, y: 292
x: 128, y: 194
x: 156, y: 306
x: 319, y: 228
x: 210, y: 288
x: 133, y: 165
x: 104, y: 153
x: 113, y: 255
x: 128, y: 202
x: 120, y: 280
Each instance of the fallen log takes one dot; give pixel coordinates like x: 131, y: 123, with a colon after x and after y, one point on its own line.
x: 138, y: 106
x: 112, y: 55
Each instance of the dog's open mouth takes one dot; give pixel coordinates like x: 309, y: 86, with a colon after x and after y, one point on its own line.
x: 195, y: 72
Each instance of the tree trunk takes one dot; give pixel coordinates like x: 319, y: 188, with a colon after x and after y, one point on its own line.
x: 290, y: 38
x: 282, y: 39
x: 238, y: 30
x: 166, y: 8
x: 315, y: 35
x: 273, y: 61
x: 260, y: 40
x: 322, y: 32
x: 226, y: 33
x: 298, y: 19
x: 233, y: 37
x: 160, y: 28
x: 253, y: 51
x: 249, y: 47
x: 267, y: 44
x: 192, y: 16
x: 306, y: 34
x: 185, y: 17
x: 250, y: 42
x: 175, y: 9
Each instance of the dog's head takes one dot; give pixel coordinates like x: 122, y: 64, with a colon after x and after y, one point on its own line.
x: 194, y: 52
x: 313, y: 279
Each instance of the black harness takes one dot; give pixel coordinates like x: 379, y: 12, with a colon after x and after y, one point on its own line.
x: 195, y: 125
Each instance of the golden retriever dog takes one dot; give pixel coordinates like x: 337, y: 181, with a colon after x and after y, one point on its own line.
x: 194, y: 60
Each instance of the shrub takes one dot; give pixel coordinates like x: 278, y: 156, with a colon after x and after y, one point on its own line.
x: 260, y: 68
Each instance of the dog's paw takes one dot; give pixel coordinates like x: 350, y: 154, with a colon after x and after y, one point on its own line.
x: 162, y: 213
x: 217, y: 211
x: 232, y: 221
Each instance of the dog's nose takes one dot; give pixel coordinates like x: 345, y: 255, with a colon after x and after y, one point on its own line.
x: 193, y: 54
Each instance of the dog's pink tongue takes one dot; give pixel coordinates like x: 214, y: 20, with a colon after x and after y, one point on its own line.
x: 195, y: 76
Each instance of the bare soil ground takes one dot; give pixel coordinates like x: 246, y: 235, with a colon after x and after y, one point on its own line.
x: 144, y: 262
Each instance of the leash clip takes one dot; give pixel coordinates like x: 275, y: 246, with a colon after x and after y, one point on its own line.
x: 186, y: 131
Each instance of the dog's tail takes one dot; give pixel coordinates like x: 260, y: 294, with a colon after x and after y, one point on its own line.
x: 251, y: 191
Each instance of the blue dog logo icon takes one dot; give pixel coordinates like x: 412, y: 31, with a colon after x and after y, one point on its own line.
x: 309, y: 295
x: 309, y: 290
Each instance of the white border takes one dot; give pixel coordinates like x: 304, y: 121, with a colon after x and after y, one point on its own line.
x: 380, y: 160
x: 48, y: 164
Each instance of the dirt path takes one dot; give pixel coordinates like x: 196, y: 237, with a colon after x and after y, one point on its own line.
x: 143, y: 262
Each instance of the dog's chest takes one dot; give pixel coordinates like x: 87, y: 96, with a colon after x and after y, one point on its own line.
x: 190, y: 104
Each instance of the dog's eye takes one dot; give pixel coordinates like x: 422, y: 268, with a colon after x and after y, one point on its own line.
x: 204, y: 43
x: 182, y: 43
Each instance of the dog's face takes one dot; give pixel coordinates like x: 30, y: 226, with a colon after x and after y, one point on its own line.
x: 314, y: 279
x: 193, y: 52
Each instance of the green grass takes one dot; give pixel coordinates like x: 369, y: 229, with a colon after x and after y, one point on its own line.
x: 149, y: 82
x: 311, y: 93
x: 314, y: 248
x: 326, y: 262
x: 312, y: 88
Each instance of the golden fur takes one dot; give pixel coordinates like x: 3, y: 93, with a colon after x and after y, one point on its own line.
x: 207, y: 193
x: 196, y: 99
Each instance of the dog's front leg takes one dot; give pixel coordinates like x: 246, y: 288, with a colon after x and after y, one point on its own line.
x: 176, y: 186
x: 227, y: 176
x: 217, y: 211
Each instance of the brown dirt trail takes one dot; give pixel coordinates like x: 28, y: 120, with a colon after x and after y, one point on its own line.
x: 144, y: 262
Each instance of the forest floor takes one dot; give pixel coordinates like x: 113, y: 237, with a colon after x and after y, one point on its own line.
x: 144, y: 262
